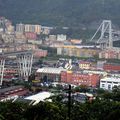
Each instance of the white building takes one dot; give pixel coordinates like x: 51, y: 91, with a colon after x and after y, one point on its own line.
x: 61, y: 37
x: 46, y: 30
x: 20, y: 28
x: 29, y: 28
x: 109, y: 82
x: 52, y: 37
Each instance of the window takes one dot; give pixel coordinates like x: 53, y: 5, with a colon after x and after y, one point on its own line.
x: 103, y: 81
x: 115, y: 86
x: 115, y: 82
x: 109, y: 82
x: 109, y: 87
x: 103, y: 85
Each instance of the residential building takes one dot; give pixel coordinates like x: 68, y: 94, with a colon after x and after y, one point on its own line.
x: 31, y: 35
x: 46, y: 30
x: 113, y: 53
x: 52, y: 37
x: 19, y: 35
x: 10, y: 29
x: 61, y: 37
x: 38, y: 29
x: 23, y: 47
x: 20, y: 28
x: 8, y: 38
x: 38, y: 53
x: 77, y: 51
x: 109, y: 82
x: 84, y: 65
x: 35, y: 42
x: 29, y: 28
x: 4, y: 24
x: 76, y: 41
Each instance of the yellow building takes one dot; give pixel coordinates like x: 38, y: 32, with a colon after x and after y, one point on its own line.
x: 77, y: 51
x: 84, y: 65
x: 33, y: 28
x: 38, y: 29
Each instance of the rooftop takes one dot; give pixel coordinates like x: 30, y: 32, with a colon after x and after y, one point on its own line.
x: 111, y: 79
x: 39, y: 97
x: 50, y: 70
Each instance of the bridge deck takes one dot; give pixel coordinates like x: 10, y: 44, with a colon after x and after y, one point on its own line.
x: 15, y: 53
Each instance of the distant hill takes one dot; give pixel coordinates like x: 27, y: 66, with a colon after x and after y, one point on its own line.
x: 75, y: 13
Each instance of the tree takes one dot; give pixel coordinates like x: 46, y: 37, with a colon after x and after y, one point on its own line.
x: 44, y: 111
x: 114, y: 115
x: 1, y: 117
x: 100, y: 91
x: 116, y: 93
x: 12, y: 111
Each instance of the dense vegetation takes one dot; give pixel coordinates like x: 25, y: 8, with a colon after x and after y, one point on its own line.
x: 106, y: 106
x: 75, y: 13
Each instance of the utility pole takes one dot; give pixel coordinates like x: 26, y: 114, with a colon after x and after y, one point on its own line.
x: 69, y: 102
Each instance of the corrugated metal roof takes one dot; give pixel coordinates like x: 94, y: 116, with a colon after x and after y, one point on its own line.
x: 39, y: 96
x: 50, y: 70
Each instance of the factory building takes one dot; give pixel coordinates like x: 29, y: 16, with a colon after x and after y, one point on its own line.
x: 79, y: 78
x: 49, y: 74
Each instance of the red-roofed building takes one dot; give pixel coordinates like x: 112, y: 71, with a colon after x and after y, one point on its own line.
x: 111, y: 67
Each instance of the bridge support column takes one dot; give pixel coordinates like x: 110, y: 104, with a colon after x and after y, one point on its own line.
x: 2, y: 65
x: 25, y: 65
x: 107, y: 40
x: 103, y: 46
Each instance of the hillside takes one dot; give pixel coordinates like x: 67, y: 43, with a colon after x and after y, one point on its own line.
x: 60, y: 12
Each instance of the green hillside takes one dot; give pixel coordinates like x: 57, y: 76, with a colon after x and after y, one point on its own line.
x: 60, y: 12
